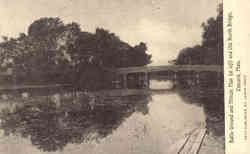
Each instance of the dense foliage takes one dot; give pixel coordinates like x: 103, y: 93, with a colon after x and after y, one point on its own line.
x: 211, y: 49
x: 54, y: 52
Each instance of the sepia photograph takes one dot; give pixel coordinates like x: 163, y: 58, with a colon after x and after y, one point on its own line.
x: 112, y: 77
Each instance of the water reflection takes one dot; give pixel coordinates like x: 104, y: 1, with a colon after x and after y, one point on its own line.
x: 155, y: 122
x: 161, y: 84
x: 51, y: 127
x: 208, y: 95
x: 212, y: 101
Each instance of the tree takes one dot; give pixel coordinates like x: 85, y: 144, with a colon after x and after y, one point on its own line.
x: 93, y: 53
x: 191, y: 56
x: 42, y: 54
x: 55, y: 52
x: 211, y: 49
x: 212, y: 38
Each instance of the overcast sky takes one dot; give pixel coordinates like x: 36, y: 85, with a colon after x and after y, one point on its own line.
x: 166, y: 26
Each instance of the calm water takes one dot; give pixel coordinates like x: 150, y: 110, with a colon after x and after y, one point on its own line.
x: 145, y: 124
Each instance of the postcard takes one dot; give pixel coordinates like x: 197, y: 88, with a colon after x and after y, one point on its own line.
x: 124, y: 77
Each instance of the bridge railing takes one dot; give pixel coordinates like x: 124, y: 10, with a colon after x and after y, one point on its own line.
x: 174, y: 68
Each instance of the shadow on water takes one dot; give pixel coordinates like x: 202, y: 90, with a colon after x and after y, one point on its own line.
x: 50, y: 126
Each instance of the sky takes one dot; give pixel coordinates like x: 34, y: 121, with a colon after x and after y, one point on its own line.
x: 166, y: 26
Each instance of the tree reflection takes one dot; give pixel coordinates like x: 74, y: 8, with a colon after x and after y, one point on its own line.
x: 51, y: 128
x: 212, y: 100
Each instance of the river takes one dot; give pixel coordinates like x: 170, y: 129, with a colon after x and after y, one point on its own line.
x: 154, y: 123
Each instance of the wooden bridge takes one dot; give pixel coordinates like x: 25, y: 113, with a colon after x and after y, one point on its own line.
x: 143, y: 74
x: 173, y: 68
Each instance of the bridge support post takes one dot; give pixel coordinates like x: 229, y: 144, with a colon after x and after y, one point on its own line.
x: 146, y: 80
x: 175, y: 78
x: 125, y: 82
x: 197, y: 78
x: 219, y: 80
